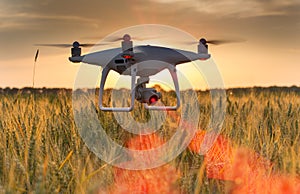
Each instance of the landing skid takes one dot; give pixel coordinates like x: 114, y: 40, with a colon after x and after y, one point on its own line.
x: 105, y: 71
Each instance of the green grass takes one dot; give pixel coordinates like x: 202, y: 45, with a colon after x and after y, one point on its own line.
x: 42, y: 152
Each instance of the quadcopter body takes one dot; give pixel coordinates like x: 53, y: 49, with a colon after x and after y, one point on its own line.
x: 142, y: 61
x: 139, y: 62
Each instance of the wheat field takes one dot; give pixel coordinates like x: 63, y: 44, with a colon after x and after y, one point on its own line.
x: 41, y: 150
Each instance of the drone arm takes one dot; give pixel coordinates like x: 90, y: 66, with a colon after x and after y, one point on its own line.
x: 188, y: 56
x: 99, y: 58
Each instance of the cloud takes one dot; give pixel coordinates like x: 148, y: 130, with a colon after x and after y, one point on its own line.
x: 28, y: 20
x: 25, y: 23
x: 237, y: 8
x: 16, y: 15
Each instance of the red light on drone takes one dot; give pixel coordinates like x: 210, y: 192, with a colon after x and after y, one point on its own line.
x: 127, y: 56
x: 153, y: 99
x: 203, y: 59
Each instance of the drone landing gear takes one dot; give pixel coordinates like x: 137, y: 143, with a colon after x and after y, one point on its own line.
x: 147, y: 96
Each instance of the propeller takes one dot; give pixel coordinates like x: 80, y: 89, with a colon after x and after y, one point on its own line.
x: 125, y: 37
x: 75, y: 44
x: 216, y: 41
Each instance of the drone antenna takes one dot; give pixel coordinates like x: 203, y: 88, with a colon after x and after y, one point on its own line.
x: 34, y: 65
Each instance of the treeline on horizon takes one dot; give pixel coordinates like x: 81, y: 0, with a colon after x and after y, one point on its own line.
x: 29, y: 90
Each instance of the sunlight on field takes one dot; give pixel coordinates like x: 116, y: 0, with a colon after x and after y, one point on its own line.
x: 41, y: 150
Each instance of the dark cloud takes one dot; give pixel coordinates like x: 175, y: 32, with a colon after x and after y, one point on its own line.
x: 268, y: 21
x: 24, y: 23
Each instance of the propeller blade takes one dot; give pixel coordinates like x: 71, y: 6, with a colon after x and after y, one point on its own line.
x: 91, y: 45
x: 108, y: 40
x: 56, y: 45
x: 219, y: 42
x: 190, y: 42
x: 147, y: 38
x: 112, y: 39
x: 70, y: 45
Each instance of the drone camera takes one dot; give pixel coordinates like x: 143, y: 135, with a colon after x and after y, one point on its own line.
x: 148, y: 95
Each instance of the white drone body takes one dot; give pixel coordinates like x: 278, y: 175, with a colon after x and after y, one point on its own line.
x: 142, y: 61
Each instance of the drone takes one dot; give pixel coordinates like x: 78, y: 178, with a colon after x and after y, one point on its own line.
x: 140, y: 62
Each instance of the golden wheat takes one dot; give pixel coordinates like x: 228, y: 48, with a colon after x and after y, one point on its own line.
x: 41, y: 150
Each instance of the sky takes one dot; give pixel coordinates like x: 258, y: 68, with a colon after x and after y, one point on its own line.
x: 269, y: 55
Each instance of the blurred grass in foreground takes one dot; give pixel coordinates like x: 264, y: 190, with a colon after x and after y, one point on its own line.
x: 41, y: 150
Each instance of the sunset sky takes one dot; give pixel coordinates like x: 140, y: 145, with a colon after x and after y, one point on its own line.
x: 269, y: 56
